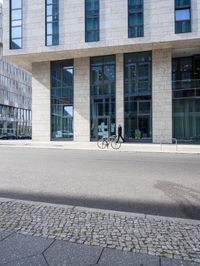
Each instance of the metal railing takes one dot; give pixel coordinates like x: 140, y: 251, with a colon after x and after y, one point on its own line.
x: 186, y: 84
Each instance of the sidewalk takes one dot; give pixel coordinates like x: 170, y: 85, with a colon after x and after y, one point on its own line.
x: 47, y: 234
x: 126, y: 147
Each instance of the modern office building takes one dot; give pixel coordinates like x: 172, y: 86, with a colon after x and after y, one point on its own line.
x: 15, y: 98
x: 98, y: 63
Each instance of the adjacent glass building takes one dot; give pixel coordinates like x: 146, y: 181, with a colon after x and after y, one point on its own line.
x: 15, y: 83
x: 15, y: 102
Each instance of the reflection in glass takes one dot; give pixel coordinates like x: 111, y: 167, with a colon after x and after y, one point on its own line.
x: 52, y: 22
x: 135, y: 18
x: 186, y: 98
x: 91, y: 20
x: 102, y: 92
x: 16, y: 24
x: 182, y: 16
x: 62, y: 100
x: 137, y: 96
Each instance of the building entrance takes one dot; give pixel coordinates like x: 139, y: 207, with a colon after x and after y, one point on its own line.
x: 102, y: 98
x: 103, y: 127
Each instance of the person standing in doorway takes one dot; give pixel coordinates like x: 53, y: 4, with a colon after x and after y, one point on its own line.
x: 119, y: 131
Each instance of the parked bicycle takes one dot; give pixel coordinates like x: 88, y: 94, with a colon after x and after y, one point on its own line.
x: 106, y: 142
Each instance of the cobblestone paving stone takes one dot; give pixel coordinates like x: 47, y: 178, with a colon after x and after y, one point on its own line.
x: 172, y: 238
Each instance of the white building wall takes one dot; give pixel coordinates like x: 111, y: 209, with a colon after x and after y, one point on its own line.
x: 120, y: 91
x: 159, y: 28
x: 41, y: 115
x: 162, y: 96
x: 82, y: 99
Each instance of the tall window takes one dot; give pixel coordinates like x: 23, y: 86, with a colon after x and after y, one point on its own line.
x: 15, y: 24
x: 135, y: 18
x: 182, y: 16
x: 102, y: 93
x: 138, y: 96
x: 186, y: 98
x: 62, y: 103
x: 52, y: 22
x: 91, y: 20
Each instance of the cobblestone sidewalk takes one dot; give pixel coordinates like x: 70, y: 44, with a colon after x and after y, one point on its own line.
x: 167, y: 237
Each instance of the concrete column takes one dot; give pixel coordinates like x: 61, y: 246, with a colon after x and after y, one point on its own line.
x: 82, y: 99
x: 162, y: 96
x: 41, y: 101
x: 120, y: 91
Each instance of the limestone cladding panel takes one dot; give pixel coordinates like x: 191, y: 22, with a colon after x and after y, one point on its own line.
x: 159, y: 27
x: 82, y: 99
x: 120, y: 90
x: 162, y: 96
x: 41, y: 101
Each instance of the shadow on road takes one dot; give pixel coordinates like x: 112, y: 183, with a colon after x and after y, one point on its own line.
x: 181, y: 208
x: 188, y: 199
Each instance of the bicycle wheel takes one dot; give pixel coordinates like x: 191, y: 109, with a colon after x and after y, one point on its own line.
x: 101, y: 143
x: 115, y: 145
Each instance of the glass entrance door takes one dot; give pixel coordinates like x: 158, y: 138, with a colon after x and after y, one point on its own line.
x: 103, y: 127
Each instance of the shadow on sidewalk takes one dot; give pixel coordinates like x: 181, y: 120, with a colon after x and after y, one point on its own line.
x: 178, y: 209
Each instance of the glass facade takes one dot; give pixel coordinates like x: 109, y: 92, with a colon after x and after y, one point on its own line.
x: 91, y: 20
x: 182, y: 16
x: 15, y: 122
x: 102, y: 94
x: 15, y: 102
x: 16, y: 24
x: 62, y: 100
x: 138, y: 96
x: 135, y: 18
x: 52, y: 22
x: 186, y: 98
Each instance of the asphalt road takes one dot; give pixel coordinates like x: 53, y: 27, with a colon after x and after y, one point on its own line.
x: 151, y: 183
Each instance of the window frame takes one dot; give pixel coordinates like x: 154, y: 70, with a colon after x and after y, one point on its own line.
x: 137, y: 25
x: 18, y: 26
x: 182, y: 7
x: 52, y: 23
x: 93, y: 17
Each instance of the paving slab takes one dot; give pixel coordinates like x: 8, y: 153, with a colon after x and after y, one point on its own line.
x: 30, y: 261
x: 19, y: 246
x: 150, y: 235
x: 111, y: 257
x: 170, y: 262
x: 64, y: 253
x: 4, y: 235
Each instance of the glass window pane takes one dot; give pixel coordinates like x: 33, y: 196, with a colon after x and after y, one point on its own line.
x: 16, y: 4
x: 91, y: 20
x: 49, y: 10
x: 180, y: 3
x: 16, y: 44
x: 62, y: 100
x: 16, y: 32
x: 135, y: 18
x: 52, y: 23
x: 16, y: 14
x: 16, y: 23
x: 183, y: 14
